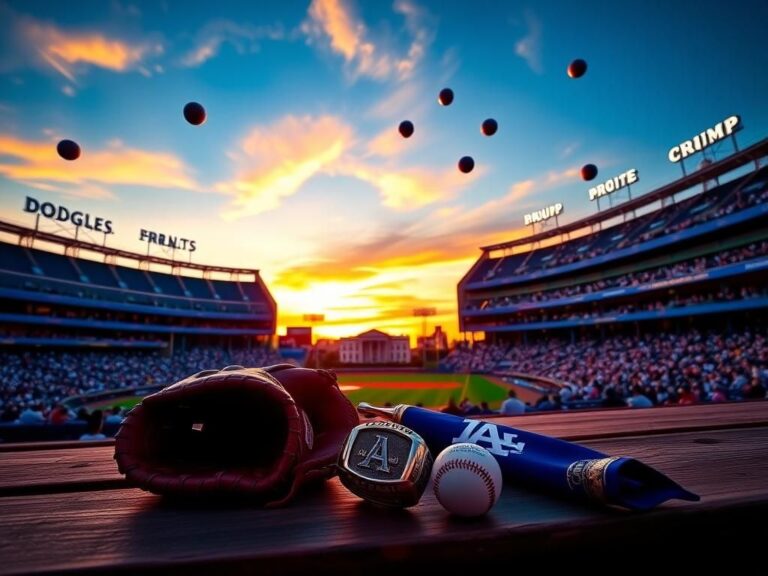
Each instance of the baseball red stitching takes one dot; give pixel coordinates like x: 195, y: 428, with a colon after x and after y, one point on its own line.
x: 472, y: 467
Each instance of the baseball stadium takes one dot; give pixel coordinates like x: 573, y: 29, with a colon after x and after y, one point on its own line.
x: 226, y: 229
x: 575, y: 316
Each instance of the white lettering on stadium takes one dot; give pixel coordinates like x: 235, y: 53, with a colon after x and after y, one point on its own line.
x: 543, y: 214
x: 615, y: 183
x: 706, y: 138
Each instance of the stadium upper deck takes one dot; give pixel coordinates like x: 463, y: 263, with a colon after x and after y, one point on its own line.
x: 137, y: 297
x: 714, y: 237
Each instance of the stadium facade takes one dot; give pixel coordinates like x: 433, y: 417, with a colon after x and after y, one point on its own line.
x: 693, y: 253
x: 68, y: 293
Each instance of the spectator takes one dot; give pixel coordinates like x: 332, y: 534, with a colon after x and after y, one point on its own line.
x: 452, y: 407
x: 115, y: 415
x: 59, y: 415
x: 32, y: 415
x: 93, y: 429
x: 611, y: 399
x: 638, y: 399
x: 512, y: 406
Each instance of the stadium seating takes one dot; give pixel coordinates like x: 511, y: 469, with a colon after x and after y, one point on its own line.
x: 59, y: 299
x: 35, y: 381
x: 672, y: 300
x: 624, y: 273
x: 745, y: 192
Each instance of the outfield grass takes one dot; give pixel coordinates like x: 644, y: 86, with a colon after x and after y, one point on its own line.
x: 413, y: 388
x: 125, y: 402
x: 378, y: 388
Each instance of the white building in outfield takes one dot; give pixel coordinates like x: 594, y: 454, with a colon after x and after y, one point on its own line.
x: 375, y: 347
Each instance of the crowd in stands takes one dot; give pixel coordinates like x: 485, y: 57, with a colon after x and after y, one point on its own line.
x: 654, y: 369
x: 34, y: 383
x: 719, y: 202
x: 632, y: 279
x: 712, y: 295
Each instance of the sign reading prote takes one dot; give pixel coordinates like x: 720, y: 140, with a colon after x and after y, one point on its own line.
x: 614, y: 184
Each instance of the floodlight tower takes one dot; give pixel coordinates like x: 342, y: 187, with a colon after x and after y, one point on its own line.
x: 423, y: 313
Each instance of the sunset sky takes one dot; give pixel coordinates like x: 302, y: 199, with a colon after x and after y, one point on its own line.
x: 299, y: 170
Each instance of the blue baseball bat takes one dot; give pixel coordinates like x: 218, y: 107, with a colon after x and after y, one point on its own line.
x: 543, y: 462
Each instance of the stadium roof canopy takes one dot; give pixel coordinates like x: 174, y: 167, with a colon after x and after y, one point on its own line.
x: 30, y: 234
x: 732, y: 162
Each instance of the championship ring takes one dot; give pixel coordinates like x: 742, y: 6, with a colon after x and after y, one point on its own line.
x: 385, y: 463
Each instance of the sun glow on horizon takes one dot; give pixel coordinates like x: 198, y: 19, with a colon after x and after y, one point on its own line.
x: 384, y: 301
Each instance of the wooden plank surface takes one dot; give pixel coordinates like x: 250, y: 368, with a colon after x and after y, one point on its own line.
x: 583, y: 424
x: 89, y: 467
x: 329, y: 529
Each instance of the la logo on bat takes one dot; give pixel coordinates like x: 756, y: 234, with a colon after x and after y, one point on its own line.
x: 486, y: 435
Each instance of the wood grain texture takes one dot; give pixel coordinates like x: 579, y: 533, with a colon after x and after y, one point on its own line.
x: 584, y: 424
x: 330, y: 530
x: 89, y: 466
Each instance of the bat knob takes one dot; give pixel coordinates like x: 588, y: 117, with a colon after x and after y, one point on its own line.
x: 394, y: 413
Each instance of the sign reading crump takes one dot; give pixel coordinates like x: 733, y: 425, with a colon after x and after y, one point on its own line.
x: 614, y: 184
x: 167, y: 241
x: 552, y: 211
x: 704, y: 139
x: 65, y: 215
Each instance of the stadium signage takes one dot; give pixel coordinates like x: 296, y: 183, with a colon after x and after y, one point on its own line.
x: 705, y: 139
x: 614, y: 184
x: 167, y: 241
x: 64, y: 214
x: 543, y: 214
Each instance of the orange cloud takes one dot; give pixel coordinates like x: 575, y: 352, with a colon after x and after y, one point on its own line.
x: 377, y: 283
x: 37, y: 164
x: 335, y: 21
x: 277, y: 160
x: 395, y: 282
x: 386, y: 301
x: 411, y: 188
x: 64, y: 50
x: 499, y: 216
x: 299, y: 277
x: 387, y: 143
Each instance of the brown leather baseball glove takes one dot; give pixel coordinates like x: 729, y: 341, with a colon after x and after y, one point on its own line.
x: 257, y: 432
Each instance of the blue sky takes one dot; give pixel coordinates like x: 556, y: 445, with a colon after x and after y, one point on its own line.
x: 299, y: 170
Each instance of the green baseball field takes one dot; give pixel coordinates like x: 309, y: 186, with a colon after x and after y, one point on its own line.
x: 431, y: 390
x: 379, y: 388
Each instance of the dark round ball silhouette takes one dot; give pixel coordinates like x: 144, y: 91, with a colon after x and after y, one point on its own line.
x: 446, y: 97
x: 194, y: 113
x: 466, y: 164
x: 68, y: 150
x: 489, y: 127
x: 588, y: 172
x: 406, y: 128
x: 577, y: 68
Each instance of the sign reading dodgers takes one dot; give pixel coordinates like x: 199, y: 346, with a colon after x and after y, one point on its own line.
x: 614, y: 184
x: 64, y: 214
x: 543, y: 214
x: 705, y: 139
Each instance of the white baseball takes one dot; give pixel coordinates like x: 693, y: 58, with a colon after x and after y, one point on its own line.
x: 466, y: 479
